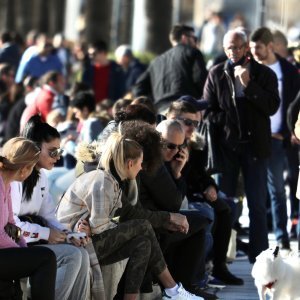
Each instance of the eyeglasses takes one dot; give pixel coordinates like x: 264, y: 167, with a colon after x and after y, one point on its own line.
x: 189, y: 122
x: 172, y: 146
x: 55, y: 153
x: 234, y: 48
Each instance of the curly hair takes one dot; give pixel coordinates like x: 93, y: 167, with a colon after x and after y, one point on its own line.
x: 148, y: 138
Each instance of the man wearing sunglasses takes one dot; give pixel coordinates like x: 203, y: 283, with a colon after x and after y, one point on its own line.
x: 202, y: 191
x: 164, y: 191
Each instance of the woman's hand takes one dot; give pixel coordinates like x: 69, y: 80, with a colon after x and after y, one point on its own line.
x: 56, y: 236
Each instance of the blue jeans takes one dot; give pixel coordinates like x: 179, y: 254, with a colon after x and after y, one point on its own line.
x: 276, y: 166
x: 254, y: 172
x: 207, y: 212
x: 72, y: 276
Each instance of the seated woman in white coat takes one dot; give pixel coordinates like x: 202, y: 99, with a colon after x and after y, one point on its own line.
x: 34, y: 213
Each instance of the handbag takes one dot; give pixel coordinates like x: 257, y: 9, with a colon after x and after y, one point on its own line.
x: 13, y: 231
x: 209, y: 143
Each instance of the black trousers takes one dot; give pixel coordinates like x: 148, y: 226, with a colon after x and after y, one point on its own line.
x: 221, y: 231
x: 38, y: 263
x: 185, y: 253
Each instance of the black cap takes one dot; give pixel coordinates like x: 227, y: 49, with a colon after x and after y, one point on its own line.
x: 199, y: 104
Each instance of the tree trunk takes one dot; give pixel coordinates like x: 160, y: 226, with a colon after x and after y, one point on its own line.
x: 24, y: 16
x: 159, y: 18
x: 39, y: 15
x: 98, y: 20
x: 125, y: 22
x: 56, y: 16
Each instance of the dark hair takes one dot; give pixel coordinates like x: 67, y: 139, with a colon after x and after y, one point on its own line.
x: 100, y: 46
x: 120, y: 105
x: 136, y: 112
x: 84, y: 99
x: 39, y: 132
x: 262, y: 34
x: 179, y: 30
x: 148, y: 138
x: 180, y: 106
x: 5, y: 69
x: 144, y: 100
x: 51, y: 76
x: 279, y: 36
x: 79, y: 86
x: 6, y: 37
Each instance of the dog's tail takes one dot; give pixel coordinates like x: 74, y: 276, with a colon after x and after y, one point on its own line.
x: 275, y: 253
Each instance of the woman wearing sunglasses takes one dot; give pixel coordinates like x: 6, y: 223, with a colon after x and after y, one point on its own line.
x: 17, y: 160
x: 34, y: 212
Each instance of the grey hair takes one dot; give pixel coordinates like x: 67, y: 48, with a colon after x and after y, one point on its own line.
x: 166, y: 125
x: 236, y: 32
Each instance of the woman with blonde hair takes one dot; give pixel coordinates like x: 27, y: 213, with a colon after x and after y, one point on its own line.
x: 17, y: 160
x: 89, y: 206
x: 34, y: 213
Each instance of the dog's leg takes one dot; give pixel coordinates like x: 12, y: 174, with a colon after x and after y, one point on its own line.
x: 261, y: 292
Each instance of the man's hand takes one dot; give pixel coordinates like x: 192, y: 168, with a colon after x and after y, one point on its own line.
x: 179, y: 162
x: 178, y: 222
x: 243, y: 74
x: 210, y: 193
x: 294, y: 140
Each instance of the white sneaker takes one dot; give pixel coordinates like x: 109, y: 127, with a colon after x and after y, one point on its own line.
x: 182, y: 295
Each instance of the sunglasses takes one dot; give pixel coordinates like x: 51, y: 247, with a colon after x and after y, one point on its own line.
x: 189, y: 122
x: 55, y: 153
x: 172, y: 146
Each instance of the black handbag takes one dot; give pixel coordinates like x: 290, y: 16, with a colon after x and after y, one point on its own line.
x: 210, y: 143
x: 13, y: 231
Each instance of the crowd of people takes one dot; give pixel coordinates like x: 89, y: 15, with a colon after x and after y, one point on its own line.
x: 104, y: 160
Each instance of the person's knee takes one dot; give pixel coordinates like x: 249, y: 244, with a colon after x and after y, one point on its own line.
x: 50, y: 256
x: 72, y: 256
x: 143, y: 243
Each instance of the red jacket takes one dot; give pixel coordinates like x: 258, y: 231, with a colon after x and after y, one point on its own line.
x: 42, y: 105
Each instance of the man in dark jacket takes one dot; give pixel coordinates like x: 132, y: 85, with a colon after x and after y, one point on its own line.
x: 242, y: 95
x: 164, y: 191
x: 262, y: 49
x: 179, y: 71
x: 131, y: 66
x: 103, y: 75
x: 202, y: 191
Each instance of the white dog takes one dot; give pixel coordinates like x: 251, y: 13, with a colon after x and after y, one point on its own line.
x: 276, y: 276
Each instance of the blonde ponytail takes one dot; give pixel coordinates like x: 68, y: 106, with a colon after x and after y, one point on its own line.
x: 118, y: 150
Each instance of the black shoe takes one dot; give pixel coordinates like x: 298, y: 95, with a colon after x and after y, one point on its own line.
x: 222, y: 273
x: 284, y: 245
x: 195, y: 289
